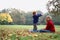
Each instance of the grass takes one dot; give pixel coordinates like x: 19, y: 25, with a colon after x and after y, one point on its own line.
x: 20, y: 32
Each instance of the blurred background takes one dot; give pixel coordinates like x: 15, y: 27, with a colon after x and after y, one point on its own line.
x: 19, y: 12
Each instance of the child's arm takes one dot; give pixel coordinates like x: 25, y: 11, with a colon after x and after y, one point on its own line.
x: 39, y: 15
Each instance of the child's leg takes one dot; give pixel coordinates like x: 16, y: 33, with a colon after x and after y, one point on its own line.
x: 35, y: 27
x: 44, y: 31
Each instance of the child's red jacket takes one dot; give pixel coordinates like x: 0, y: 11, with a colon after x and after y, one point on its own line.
x: 50, y: 26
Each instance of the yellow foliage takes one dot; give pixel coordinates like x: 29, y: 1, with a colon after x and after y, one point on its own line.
x: 5, y: 16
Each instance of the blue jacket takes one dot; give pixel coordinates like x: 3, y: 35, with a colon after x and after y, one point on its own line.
x: 36, y: 18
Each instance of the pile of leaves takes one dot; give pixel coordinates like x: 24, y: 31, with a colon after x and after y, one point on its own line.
x: 17, y: 34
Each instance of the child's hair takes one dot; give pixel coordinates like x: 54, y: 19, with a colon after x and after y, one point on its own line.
x: 34, y: 12
x: 48, y: 16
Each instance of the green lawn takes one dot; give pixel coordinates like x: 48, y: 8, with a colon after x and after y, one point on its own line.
x: 20, y: 32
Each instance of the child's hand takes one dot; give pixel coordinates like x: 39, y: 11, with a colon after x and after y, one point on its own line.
x: 42, y: 14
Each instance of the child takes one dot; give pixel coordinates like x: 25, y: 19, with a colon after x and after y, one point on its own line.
x: 35, y: 20
x: 49, y: 25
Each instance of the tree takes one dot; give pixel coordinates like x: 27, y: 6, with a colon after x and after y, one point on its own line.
x: 53, y: 7
x: 17, y: 15
x: 5, y: 18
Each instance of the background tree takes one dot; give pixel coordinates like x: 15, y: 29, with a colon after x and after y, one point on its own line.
x: 17, y: 15
x: 53, y: 7
x: 5, y: 18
